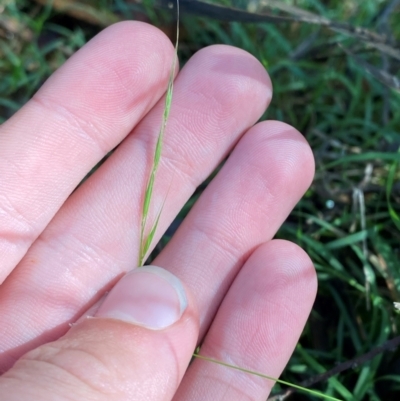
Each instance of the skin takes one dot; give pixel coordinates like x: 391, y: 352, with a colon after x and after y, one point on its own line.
x: 249, y: 295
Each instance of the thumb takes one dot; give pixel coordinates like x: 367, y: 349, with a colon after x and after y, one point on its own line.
x: 136, y: 347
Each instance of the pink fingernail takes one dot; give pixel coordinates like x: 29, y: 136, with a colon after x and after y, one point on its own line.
x: 147, y: 296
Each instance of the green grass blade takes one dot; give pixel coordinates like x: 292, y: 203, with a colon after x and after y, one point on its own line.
x: 350, y: 239
x: 313, y: 392
x: 332, y: 381
x: 390, y: 181
x: 385, y: 156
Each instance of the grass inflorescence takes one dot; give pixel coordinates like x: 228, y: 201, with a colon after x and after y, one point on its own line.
x: 146, y: 241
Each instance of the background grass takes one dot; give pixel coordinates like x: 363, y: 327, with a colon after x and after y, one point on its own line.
x: 342, y: 93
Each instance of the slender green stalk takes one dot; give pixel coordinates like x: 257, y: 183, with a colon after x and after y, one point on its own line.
x: 145, y: 243
x: 252, y: 372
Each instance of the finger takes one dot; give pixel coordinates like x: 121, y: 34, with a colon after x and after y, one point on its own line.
x: 83, y: 111
x: 266, y: 175
x: 94, y: 238
x: 256, y: 327
x: 137, y: 348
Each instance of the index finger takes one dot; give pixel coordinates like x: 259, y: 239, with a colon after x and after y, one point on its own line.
x: 71, y: 123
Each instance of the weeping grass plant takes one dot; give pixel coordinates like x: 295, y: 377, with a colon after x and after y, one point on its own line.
x: 146, y: 240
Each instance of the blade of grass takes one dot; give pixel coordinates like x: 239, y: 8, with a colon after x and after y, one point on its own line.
x: 385, y: 156
x: 348, y: 240
x: 335, y: 383
x: 389, y: 186
x: 252, y: 372
x: 391, y: 81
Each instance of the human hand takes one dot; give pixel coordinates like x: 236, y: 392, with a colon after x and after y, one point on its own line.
x: 245, y: 296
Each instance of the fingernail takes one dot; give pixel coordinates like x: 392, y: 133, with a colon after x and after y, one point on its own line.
x: 147, y: 296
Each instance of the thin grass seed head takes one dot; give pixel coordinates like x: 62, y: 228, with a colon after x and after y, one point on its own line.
x: 145, y: 243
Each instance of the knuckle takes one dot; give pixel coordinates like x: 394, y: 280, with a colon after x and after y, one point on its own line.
x: 83, y: 129
x: 11, y: 216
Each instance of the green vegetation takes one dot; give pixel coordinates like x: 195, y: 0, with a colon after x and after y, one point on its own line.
x: 336, y: 85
